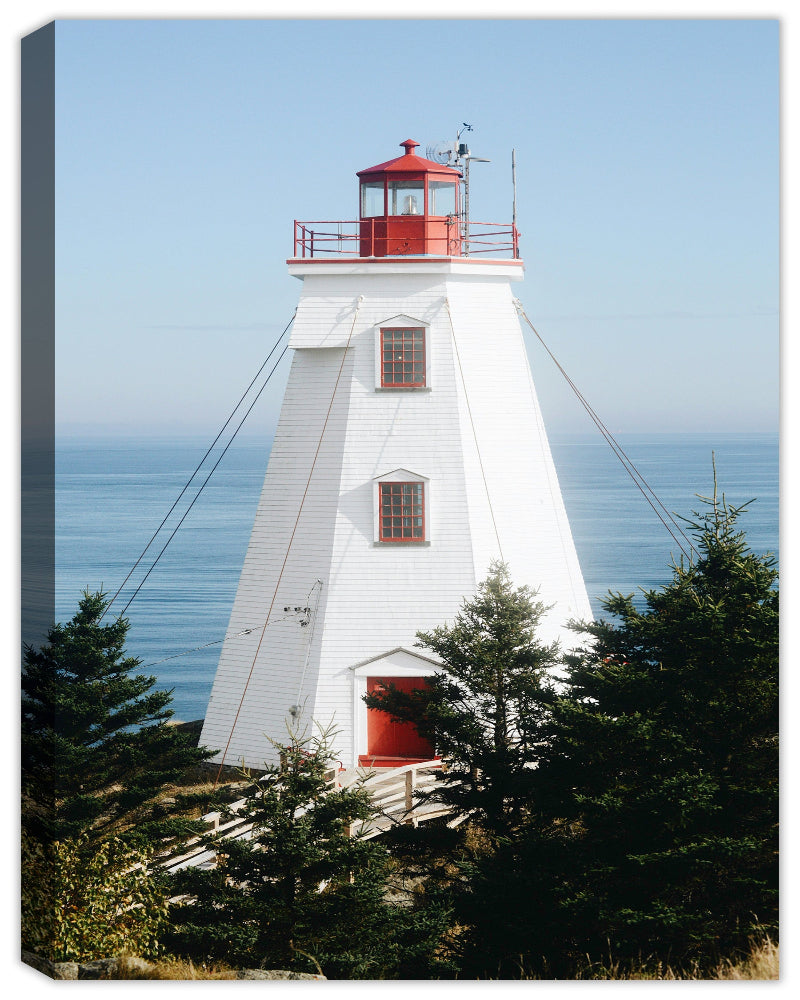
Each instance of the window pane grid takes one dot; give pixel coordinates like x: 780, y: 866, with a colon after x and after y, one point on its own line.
x: 402, y: 512
x: 403, y: 357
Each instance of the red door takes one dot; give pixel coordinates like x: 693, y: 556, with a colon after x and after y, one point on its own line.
x: 391, y: 743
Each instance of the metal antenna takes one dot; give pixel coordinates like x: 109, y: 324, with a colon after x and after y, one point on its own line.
x: 514, y: 187
x: 467, y: 159
x: 461, y: 149
x: 463, y: 155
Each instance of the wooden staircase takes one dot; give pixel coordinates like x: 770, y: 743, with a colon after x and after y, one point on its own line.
x: 397, y: 792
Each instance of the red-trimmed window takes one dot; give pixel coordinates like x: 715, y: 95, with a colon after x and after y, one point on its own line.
x: 403, y: 357
x: 402, y: 512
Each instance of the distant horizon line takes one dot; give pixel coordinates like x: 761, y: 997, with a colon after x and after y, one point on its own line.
x: 156, y: 435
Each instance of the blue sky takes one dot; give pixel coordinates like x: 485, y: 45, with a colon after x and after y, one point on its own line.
x: 648, y: 184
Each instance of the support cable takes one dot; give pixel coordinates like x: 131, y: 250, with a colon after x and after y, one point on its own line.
x: 639, y: 481
x: 214, y: 642
x: 205, y: 481
x: 291, y: 540
x: 474, y: 432
x: 200, y: 464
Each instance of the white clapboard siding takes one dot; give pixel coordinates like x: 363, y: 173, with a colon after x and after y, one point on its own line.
x: 476, y: 424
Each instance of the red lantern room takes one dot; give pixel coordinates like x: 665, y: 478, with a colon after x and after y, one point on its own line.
x: 409, y: 205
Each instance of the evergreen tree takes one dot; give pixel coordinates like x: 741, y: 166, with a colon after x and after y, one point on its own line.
x: 485, y: 709
x: 653, y: 828
x: 97, y: 749
x: 307, y: 892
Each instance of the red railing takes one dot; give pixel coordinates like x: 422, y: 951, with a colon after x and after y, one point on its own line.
x: 366, y: 238
x: 333, y: 240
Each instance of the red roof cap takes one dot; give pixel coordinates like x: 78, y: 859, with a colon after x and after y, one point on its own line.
x: 409, y: 162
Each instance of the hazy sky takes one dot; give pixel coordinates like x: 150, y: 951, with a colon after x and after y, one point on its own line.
x: 647, y: 168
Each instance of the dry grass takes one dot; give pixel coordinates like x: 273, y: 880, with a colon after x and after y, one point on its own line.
x: 761, y: 964
x: 172, y: 968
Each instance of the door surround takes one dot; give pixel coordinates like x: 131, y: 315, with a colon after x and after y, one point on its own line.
x: 398, y: 662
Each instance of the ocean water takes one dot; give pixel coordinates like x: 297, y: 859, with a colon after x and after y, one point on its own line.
x: 112, y: 495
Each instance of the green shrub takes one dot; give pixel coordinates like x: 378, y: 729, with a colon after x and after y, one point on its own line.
x: 78, y: 906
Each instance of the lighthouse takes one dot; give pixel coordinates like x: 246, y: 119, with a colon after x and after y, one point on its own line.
x: 409, y: 454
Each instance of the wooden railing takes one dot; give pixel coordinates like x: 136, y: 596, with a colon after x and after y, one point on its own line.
x: 399, y: 795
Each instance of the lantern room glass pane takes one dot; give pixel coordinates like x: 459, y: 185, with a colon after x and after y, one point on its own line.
x: 441, y: 198
x: 406, y: 197
x: 371, y: 199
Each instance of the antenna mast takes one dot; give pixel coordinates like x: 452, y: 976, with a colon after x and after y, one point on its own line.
x: 464, y: 156
x: 458, y: 155
x: 514, y: 186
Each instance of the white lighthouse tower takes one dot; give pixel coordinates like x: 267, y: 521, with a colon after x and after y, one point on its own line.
x: 410, y: 453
